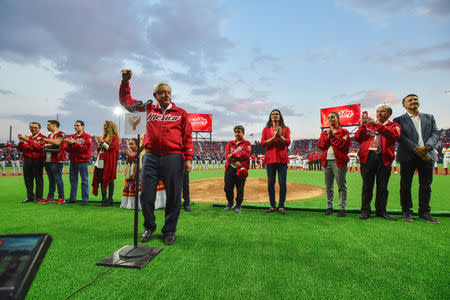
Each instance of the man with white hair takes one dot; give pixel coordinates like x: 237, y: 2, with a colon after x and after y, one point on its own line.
x: 377, y: 139
x: 169, y: 150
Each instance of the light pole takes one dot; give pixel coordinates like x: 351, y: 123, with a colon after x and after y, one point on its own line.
x: 118, y: 111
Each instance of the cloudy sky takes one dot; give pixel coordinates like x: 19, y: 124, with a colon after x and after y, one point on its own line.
x: 234, y: 59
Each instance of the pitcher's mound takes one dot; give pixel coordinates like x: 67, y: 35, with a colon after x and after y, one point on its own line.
x: 211, y: 190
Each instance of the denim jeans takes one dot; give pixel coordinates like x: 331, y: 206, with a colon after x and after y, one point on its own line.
x: 54, y: 173
x: 74, y: 169
x: 271, y: 176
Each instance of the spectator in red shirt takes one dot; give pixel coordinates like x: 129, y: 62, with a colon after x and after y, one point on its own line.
x: 335, y: 143
x: 276, y: 138
x: 80, y: 150
x: 33, y: 165
x: 237, y: 153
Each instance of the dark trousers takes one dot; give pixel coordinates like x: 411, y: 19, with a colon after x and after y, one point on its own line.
x: 74, y: 169
x: 271, y: 176
x: 186, y: 196
x: 54, y: 174
x: 110, y: 187
x: 231, y: 181
x: 32, y: 171
x: 374, y: 168
x: 317, y: 165
x: 170, y: 169
x: 425, y: 170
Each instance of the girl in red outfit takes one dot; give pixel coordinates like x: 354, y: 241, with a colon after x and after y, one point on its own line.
x: 335, y: 143
x: 129, y: 186
x: 276, y: 137
x: 106, y: 164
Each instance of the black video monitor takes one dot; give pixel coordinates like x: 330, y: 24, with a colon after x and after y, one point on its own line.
x: 20, y: 258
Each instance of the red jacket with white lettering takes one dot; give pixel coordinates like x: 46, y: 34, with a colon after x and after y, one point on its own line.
x: 81, y: 150
x: 167, y: 131
x: 340, y: 141
x: 241, y: 152
x: 32, y: 149
x: 276, y: 152
x: 390, y: 132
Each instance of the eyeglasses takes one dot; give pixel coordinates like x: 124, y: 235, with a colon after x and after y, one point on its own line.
x: 77, y: 125
x: 162, y: 92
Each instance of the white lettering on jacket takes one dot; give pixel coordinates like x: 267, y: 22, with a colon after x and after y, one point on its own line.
x: 160, y: 117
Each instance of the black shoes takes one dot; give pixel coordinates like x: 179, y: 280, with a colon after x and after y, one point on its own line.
x: 238, y: 209
x: 407, y: 217
x: 146, y: 236
x: 271, y: 210
x: 187, y: 207
x: 341, y: 213
x: 169, y: 240
x: 364, y: 215
x: 329, y: 211
x: 428, y: 218
x: 27, y: 200
x: 387, y: 217
x: 282, y: 211
x: 84, y: 203
x: 228, y: 207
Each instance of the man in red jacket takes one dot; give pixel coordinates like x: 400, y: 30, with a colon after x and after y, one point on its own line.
x: 169, y: 146
x: 237, y: 153
x: 79, y: 146
x: 55, y: 156
x: 377, y: 139
x: 33, y: 164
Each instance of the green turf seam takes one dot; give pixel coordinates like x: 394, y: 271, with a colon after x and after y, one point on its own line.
x: 444, y: 213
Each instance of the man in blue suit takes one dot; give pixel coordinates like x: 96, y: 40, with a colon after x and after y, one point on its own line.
x: 416, y: 150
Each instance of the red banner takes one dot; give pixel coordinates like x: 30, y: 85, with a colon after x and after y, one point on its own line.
x: 348, y: 115
x: 200, y: 122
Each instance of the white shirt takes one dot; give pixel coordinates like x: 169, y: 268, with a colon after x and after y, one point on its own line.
x: 418, y: 125
x: 330, y: 153
x: 100, y: 163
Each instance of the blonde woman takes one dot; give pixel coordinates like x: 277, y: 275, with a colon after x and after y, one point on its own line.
x: 106, y: 164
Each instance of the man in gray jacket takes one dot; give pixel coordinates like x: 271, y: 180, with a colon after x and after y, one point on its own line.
x: 416, y: 150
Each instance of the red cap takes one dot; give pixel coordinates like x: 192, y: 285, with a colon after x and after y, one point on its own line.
x: 242, y: 173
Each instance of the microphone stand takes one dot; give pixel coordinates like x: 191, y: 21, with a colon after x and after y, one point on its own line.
x: 133, y: 256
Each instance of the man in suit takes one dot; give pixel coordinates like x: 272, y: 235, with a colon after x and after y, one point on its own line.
x: 416, y: 150
x: 377, y: 139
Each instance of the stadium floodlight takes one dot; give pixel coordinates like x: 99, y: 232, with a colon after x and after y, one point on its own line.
x: 118, y: 110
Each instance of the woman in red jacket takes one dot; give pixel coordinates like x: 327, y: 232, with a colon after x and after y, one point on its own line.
x: 106, y: 164
x: 276, y: 137
x: 335, y: 143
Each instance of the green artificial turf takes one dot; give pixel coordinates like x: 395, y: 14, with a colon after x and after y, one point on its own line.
x: 252, y: 255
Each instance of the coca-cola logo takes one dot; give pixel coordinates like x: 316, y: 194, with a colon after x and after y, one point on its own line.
x: 346, y: 113
x: 199, y: 121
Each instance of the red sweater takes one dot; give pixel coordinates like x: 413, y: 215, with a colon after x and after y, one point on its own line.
x: 167, y: 131
x: 81, y: 150
x: 241, y: 152
x: 276, y: 152
x: 340, y: 142
x: 32, y: 149
x: 390, y: 132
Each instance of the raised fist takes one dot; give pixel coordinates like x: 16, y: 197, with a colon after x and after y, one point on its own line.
x: 126, y: 74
